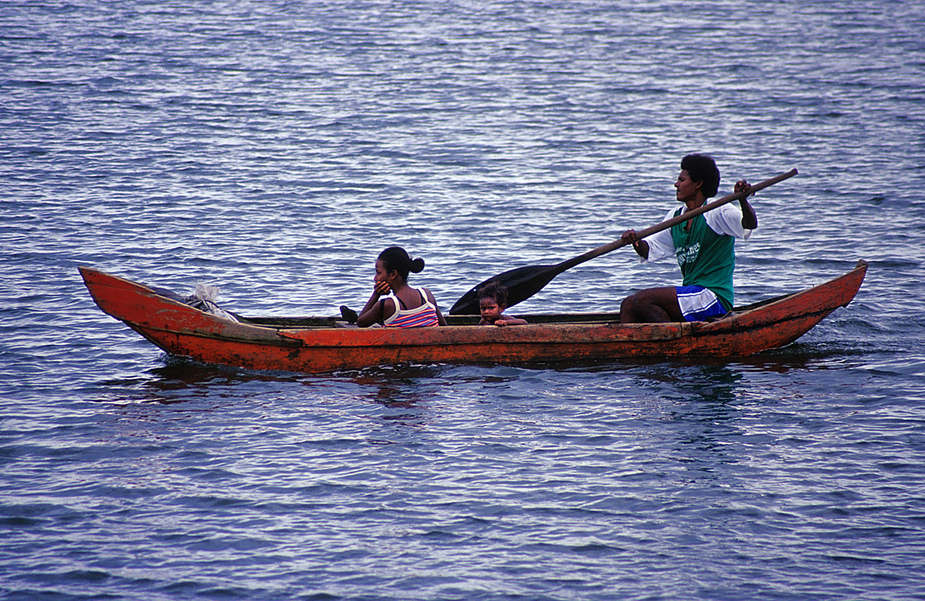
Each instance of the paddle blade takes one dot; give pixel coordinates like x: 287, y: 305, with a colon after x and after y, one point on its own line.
x: 521, y: 284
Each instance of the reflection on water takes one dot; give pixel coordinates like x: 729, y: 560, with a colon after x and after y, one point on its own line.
x: 693, y: 382
x: 181, y: 379
x: 807, y: 356
x: 403, y: 390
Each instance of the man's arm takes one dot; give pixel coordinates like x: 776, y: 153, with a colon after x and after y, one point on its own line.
x: 749, y: 217
x: 639, y: 245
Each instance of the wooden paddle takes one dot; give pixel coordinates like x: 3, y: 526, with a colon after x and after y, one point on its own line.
x: 524, y: 282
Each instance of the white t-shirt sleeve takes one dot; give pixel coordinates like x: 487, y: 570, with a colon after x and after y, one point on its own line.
x: 727, y: 219
x: 661, y: 244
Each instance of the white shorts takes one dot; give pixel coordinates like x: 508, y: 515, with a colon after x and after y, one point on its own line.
x: 698, y: 303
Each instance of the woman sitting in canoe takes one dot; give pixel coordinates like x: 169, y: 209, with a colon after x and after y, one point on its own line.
x: 492, y: 303
x: 703, y: 245
x: 395, y: 304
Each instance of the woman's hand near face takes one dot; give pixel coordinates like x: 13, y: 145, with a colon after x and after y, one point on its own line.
x: 381, y: 288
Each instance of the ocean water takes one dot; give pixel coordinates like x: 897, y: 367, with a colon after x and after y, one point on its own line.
x: 272, y: 149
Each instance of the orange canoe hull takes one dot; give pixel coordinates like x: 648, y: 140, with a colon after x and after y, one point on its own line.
x: 325, y: 344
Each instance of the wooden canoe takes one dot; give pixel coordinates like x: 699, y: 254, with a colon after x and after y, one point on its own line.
x: 321, y: 344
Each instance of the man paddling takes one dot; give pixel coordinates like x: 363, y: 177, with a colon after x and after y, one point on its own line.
x: 703, y: 245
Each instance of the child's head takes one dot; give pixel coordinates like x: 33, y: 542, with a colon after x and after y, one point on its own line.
x: 492, y: 300
x: 395, y: 258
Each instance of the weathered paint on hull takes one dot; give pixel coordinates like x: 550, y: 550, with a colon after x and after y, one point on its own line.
x: 182, y: 330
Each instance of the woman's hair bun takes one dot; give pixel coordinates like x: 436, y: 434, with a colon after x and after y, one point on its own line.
x: 397, y: 258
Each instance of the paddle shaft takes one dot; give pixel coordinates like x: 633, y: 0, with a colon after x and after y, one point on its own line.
x: 610, y: 246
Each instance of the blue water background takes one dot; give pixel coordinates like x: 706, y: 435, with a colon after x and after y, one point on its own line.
x: 272, y: 149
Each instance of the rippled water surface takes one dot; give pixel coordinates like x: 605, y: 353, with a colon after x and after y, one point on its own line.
x: 272, y: 149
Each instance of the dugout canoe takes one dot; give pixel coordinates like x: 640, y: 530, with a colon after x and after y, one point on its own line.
x: 321, y: 344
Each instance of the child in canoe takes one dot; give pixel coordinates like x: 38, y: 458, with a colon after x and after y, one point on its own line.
x: 492, y: 303
x: 395, y: 304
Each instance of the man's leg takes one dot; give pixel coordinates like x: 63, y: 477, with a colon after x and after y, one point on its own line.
x: 651, y: 306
